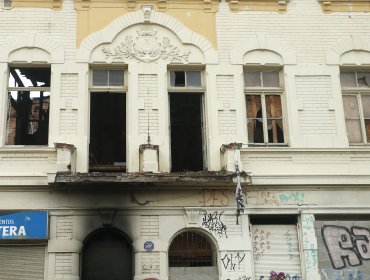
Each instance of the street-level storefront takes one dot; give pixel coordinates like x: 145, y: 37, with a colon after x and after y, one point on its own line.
x: 23, y: 239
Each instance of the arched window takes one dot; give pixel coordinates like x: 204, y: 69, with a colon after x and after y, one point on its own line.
x: 106, y: 254
x: 190, y: 249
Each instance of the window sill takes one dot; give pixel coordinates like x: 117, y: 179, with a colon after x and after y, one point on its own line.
x: 329, y: 6
x: 258, y: 5
x: 27, y: 148
x: 263, y: 145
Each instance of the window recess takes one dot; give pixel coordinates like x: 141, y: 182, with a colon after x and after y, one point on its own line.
x: 28, y: 106
x: 107, y: 148
x: 356, y: 104
x: 263, y: 93
x: 186, y: 120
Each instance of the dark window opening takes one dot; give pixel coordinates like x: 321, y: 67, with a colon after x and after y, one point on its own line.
x: 178, y: 78
x: 186, y: 132
x: 28, y: 106
x: 106, y: 254
x: 273, y: 219
x: 190, y: 249
x: 107, y: 131
x: 185, y: 79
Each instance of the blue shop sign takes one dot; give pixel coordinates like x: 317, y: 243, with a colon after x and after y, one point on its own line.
x: 24, y: 225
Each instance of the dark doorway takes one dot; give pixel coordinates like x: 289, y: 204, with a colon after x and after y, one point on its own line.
x: 186, y: 132
x: 106, y: 254
x: 107, y: 131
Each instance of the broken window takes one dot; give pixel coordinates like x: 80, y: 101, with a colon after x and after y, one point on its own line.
x: 356, y: 104
x: 107, y: 149
x: 186, y: 119
x: 28, y: 106
x: 263, y: 93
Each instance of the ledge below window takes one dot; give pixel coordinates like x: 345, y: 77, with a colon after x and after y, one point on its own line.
x: 258, y: 5
x: 329, y: 6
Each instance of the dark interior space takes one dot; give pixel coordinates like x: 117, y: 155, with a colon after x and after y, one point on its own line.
x: 186, y: 132
x: 106, y: 254
x: 273, y: 219
x: 28, y: 111
x: 107, y: 131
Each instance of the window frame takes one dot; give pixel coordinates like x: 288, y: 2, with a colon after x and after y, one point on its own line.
x: 188, y: 89
x: 26, y: 89
x: 358, y: 92
x: 94, y: 88
x: 108, y: 89
x: 263, y: 92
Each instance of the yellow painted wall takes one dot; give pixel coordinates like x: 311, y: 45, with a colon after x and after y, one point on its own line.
x: 95, y: 15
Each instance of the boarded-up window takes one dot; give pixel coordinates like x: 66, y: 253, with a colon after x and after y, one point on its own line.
x: 263, y: 93
x: 356, y: 104
x: 275, y: 248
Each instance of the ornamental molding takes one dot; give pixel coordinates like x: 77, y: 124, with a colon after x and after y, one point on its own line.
x: 146, y: 47
x: 354, y: 43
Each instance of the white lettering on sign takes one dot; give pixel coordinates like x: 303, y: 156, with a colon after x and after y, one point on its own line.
x: 6, y: 222
x: 12, y: 231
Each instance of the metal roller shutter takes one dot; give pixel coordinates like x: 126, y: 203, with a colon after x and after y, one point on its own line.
x: 275, y: 248
x: 22, y: 262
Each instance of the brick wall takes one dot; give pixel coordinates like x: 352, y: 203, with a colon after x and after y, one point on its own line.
x: 56, y: 25
x: 304, y: 27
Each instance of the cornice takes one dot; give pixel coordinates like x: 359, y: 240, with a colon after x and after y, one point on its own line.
x: 160, y: 5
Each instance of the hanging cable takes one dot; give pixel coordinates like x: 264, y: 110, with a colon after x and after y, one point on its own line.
x: 238, y: 192
x: 8, y: 129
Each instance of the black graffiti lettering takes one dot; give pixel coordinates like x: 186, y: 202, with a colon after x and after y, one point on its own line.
x: 212, y: 222
x: 345, y: 246
x: 362, y: 244
x: 226, y: 264
x: 231, y: 261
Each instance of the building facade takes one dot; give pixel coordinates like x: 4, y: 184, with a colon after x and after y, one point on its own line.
x: 127, y: 126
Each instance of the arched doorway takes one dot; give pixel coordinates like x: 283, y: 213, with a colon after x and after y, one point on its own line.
x: 192, y: 254
x: 106, y: 254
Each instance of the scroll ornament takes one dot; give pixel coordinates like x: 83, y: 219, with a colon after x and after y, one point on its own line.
x: 146, y: 48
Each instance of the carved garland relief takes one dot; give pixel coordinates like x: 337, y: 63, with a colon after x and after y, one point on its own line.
x: 146, y: 47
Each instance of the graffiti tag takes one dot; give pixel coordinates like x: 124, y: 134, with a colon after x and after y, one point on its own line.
x: 311, y: 259
x: 344, y: 274
x: 214, y: 198
x: 261, y: 242
x: 241, y: 278
x: 297, y: 197
x: 343, y: 244
x: 287, y: 277
x: 212, y: 222
x: 288, y: 239
x: 231, y: 261
x: 269, y: 198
